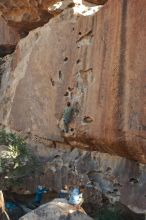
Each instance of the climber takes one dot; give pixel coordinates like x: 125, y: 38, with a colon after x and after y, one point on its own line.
x: 39, y: 195
x: 67, y: 116
x: 64, y: 192
x: 76, y: 196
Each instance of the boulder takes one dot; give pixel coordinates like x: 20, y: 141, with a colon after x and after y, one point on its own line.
x: 58, y: 209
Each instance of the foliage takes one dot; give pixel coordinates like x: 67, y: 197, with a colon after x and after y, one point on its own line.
x: 116, y: 211
x: 16, y: 161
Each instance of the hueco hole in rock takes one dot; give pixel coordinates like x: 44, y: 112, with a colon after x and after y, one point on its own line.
x: 72, y: 110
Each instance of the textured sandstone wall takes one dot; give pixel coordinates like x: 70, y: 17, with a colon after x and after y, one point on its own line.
x: 97, y: 2
x: 25, y: 15
x: 117, y: 178
x: 97, y: 63
x: 101, y: 58
x: 8, y: 38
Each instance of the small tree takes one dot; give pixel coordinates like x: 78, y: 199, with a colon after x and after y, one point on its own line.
x: 16, y: 161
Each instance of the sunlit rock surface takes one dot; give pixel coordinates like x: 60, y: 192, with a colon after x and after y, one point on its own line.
x: 93, y: 58
x: 25, y: 15
x: 58, y: 209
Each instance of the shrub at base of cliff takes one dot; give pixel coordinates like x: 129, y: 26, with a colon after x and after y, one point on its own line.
x: 117, y: 211
x: 16, y: 160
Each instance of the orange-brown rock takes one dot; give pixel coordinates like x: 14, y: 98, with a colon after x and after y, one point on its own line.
x: 8, y: 38
x: 97, y: 63
x: 97, y: 2
x: 25, y: 15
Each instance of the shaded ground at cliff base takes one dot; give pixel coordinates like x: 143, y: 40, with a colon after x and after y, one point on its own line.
x: 107, y: 212
x: 117, y: 212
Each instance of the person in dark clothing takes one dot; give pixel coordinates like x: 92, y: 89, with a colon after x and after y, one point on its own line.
x: 67, y: 116
x: 64, y: 193
x: 39, y: 195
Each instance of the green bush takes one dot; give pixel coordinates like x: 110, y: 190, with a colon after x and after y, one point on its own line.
x: 16, y: 161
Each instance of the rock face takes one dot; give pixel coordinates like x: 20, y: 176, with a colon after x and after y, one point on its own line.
x: 8, y: 38
x: 97, y: 2
x: 58, y: 209
x: 25, y: 15
x: 8, y: 35
x: 117, y: 178
x: 95, y: 63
